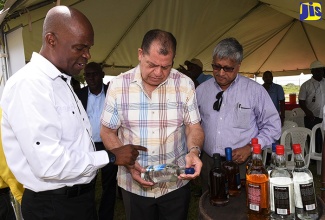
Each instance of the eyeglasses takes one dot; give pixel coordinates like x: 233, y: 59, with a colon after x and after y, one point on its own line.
x: 219, y: 67
x: 217, y: 104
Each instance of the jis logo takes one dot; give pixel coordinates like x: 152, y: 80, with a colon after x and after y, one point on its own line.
x: 310, y: 11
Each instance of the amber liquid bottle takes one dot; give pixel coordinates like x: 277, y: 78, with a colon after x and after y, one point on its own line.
x: 232, y: 173
x: 249, y: 162
x: 257, y: 187
x: 218, y: 183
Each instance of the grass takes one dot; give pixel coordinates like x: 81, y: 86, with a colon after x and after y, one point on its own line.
x: 194, y: 204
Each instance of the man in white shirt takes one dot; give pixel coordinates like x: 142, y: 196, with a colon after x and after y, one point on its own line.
x: 312, y: 99
x: 46, y: 133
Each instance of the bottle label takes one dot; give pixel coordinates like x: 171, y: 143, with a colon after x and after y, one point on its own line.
x: 156, y: 167
x: 308, y: 196
x: 254, y: 196
x: 281, y: 200
x: 238, y: 183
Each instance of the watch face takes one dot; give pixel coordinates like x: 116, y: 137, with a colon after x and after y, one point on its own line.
x: 111, y: 158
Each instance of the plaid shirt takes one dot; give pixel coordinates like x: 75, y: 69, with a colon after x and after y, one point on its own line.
x: 157, y: 123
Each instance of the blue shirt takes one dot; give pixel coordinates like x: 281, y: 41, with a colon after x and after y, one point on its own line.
x: 203, y: 77
x: 95, y: 107
x: 247, y: 111
x: 277, y: 94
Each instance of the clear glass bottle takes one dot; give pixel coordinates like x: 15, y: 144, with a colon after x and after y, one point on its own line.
x: 249, y: 161
x: 232, y: 173
x: 164, y: 173
x: 219, y: 195
x: 281, y: 188
x: 303, y: 183
x: 257, y: 187
x: 273, y: 156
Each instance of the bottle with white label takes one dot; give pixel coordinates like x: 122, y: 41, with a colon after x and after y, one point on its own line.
x: 273, y: 156
x: 305, y: 198
x: 281, y: 188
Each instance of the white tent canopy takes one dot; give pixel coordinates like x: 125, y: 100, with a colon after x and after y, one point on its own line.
x: 270, y: 31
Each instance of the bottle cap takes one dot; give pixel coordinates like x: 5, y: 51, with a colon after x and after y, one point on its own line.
x: 228, y: 151
x: 273, y: 147
x: 256, y: 148
x: 216, y: 156
x: 254, y: 141
x: 296, y: 148
x: 189, y: 170
x: 279, y: 149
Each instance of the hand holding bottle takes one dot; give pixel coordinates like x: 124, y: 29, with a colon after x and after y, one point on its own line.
x: 192, y: 160
x: 136, y: 171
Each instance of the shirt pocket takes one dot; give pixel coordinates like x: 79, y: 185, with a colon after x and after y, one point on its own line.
x: 242, y: 117
x: 70, y: 125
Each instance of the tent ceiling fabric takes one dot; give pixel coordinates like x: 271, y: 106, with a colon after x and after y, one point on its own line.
x: 270, y: 31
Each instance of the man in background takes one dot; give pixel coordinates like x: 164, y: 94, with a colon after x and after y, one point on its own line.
x: 276, y: 93
x: 312, y: 100
x: 92, y: 98
x: 194, y: 71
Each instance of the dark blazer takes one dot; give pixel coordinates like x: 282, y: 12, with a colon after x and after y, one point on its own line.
x: 83, y: 95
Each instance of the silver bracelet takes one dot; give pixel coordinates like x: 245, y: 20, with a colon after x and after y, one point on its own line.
x: 197, y: 148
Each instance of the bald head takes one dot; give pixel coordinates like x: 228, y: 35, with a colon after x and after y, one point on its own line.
x: 62, y: 18
x: 67, y: 38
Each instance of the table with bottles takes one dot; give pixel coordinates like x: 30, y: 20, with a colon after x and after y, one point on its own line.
x: 236, y: 208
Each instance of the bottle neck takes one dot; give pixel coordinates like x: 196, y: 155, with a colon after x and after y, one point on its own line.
x: 228, y: 156
x: 257, y: 159
x: 280, y: 161
x: 299, y: 161
x: 217, y: 163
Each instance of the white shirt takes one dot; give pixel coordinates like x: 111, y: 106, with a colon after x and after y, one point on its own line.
x: 310, y: 89
x: 46, y: 131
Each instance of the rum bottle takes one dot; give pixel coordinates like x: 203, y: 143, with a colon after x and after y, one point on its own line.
x: 304, y: 191
x: 257, y: 187
x: 219, y: 195
x: 281, y: 188
x: 232, y: 173
x: 164, y: 173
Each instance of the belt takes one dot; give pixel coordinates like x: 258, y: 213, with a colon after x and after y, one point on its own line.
x: 4, y: 190
x: 69, y: 191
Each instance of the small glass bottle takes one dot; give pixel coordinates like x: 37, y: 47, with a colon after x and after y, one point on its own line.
x: 257, y: 187
x: 303, y: 183
x: 273, y: 156
x: 281, y: 188
x: 232, y: 173
x: 249, y: 162
x: 219, y: 195
x: 164, y: 173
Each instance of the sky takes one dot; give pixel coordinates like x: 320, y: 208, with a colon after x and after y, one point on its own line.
x: 282, y: 80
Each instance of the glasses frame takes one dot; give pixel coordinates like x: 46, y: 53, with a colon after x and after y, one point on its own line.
x: 217, y: 104
x: 218, y: 67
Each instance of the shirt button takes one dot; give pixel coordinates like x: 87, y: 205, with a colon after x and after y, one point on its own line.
x: 220, y: 118
x: 218, y: 132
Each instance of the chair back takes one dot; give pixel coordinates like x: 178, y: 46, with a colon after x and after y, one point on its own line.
x: 298, y: 116
x: 313, y: 137
x: 298, y: 135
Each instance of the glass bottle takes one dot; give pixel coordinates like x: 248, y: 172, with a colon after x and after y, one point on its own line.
x: 232, y: 173
x: 303, y: 183
x: 257, y: 187
x: 219, y: 195
x: 273, y: 156
x: 164, y: 173
x: 249, y: 162
x: 281, y: 188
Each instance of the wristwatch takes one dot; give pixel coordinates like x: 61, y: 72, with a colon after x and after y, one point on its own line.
x: 111, y: 157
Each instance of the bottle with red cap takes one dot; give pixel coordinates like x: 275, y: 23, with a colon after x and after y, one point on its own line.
x: 281, y: 188
x: 257, y: 187
x: 303, y: 183
x: 249, y: 162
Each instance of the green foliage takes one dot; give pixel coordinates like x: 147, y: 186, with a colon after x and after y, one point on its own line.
x: 2, y: 2
x: 291, y: 88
